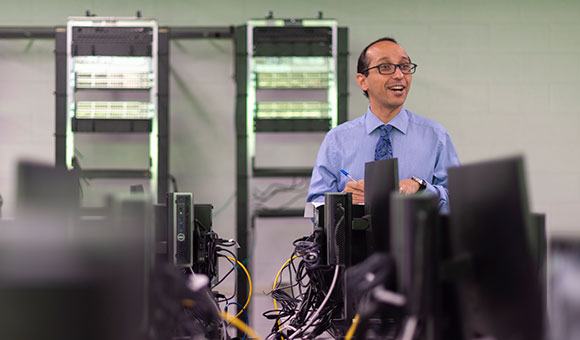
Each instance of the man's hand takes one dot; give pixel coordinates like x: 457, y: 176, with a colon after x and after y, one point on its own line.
x: 408, y: 186
x: 357, y: 189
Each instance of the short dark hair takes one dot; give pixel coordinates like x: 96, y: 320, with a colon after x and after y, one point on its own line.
x: 363, y: 62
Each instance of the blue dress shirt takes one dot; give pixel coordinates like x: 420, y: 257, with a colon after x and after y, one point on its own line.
x: 422, y: 146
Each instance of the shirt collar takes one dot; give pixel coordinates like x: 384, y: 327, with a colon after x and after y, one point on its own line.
x: 400, y: 122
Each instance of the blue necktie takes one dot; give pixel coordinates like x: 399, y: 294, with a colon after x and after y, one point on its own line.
x: 384, y: 148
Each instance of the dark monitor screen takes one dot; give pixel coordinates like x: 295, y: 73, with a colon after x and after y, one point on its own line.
x: 381, y: 178
x: 413, y: 223
x: 44, y: 188
x: 490, y: 227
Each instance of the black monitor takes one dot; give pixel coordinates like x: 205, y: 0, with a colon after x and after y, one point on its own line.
x: 358, y: 230
x: 43, y: 188
x: 381, y: 178
x: 490, y: 233
x: 349, y: 236
x: 413, y: 226
x: 81, y: 280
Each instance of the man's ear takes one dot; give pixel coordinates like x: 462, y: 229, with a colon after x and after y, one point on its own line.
x: 362, y: 81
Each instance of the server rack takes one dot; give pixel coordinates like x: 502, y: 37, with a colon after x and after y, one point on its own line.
x: 291, y: 76
x: 112, y: 77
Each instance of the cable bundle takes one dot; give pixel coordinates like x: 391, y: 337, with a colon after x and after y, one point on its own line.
x: 231, y: 257
x: 312, y: 298
x: 184, y: 319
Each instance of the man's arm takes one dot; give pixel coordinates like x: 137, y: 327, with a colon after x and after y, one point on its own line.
x: 446, y: 158
x: 323, y: 178
x: 320, y: 183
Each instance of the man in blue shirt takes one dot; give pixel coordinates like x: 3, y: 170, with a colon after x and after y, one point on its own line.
x: 422, y: 146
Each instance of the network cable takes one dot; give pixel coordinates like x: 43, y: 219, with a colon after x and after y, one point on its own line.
x: 240, y: 325
x: 276, y: 284
x: 278, y: 275
x: 313, y: 318
x: 233, y: 262
x: 352, y: 328
x: 249, y: 285
x: 244, y: 312
x: 308, y: 313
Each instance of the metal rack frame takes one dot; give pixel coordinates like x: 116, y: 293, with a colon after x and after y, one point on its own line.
x: 246, y: 128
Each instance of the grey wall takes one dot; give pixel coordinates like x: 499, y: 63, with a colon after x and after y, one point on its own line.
x: 502, y: 76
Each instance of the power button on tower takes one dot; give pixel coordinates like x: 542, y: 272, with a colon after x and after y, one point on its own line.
x: 181, y: 237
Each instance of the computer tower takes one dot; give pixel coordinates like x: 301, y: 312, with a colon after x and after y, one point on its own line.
x: 204, y: 240
x: 338, y: 226
x: 338, y: 229
x: 180, y: 217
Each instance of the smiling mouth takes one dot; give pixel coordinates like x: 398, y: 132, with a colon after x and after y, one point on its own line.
x: 398, y: 88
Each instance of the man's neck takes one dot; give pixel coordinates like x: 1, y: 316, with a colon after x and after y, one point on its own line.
x: 385, y: 114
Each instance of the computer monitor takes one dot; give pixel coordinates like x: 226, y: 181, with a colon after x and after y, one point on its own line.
x: 381, y: 178
x: 413, y: 226
x: 490, y: 232
x: 81, y: 280
x: 44, y: 189
x: 348, y: 239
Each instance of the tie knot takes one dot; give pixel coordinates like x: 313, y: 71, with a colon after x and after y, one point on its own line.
x: 385, y: 130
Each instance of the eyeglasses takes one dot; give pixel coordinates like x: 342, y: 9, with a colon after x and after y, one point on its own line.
x: 388, y: 68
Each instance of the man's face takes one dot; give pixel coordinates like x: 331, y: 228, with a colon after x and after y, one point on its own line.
x: 388, y: 91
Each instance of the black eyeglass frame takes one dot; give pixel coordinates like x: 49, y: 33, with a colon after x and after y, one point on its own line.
x: 378, y: 67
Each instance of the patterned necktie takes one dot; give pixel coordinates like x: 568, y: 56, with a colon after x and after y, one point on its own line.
x: 384, y: 148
